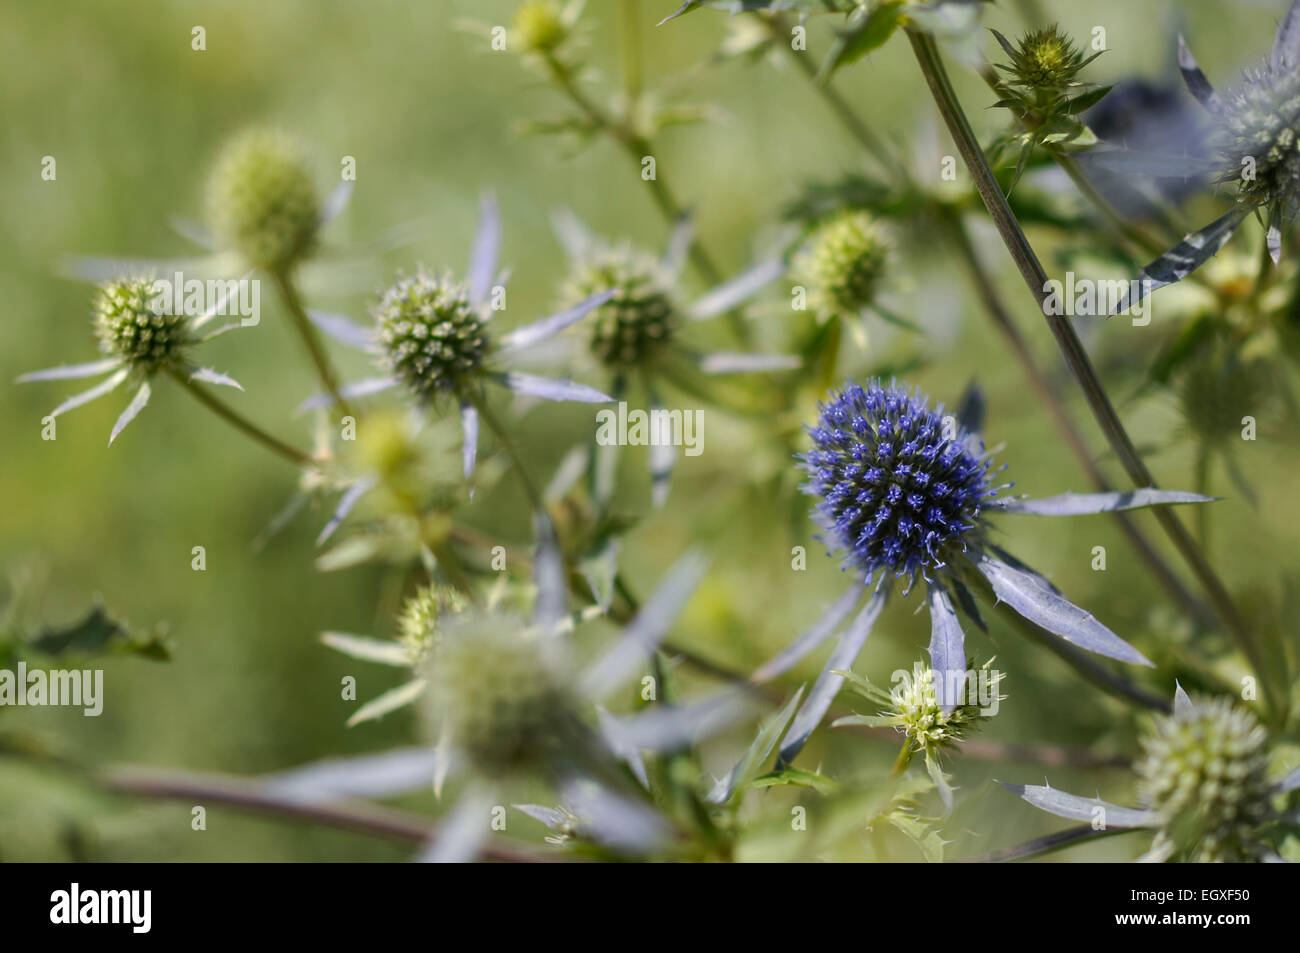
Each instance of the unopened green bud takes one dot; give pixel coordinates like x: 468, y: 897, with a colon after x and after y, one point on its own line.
x: 633, y: 326
x: 263, y: 201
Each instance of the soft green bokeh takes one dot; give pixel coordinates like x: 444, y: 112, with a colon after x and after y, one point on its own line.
x: 134, y: 119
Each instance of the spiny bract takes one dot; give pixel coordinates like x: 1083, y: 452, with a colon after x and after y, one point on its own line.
x: 538, y: 26
x: 1204, y: 769
x: 129, y: 327
x: 263, y: 200
x: 1046, y: 59
x: 497, y: 692
x: 1259, y: 137
x: 844, y: 263
x: 897, y: 484
x: 432, y: 337
x: 639, y: 320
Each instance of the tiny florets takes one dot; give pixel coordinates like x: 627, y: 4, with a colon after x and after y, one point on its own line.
x: 915, y: 711
x: 1259, y: 137
x: 497, y: 693
x: 263, y: 200
x: 419, y: 624
x: 1204, y: 770
x: 897, y: 485
x: 432, y: 337
x: 538, y: 26
x: 634, y: 325
x: 844, y: 263
x: 129, y: 326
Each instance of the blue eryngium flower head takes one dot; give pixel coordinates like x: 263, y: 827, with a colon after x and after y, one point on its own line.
x: 902, y: 488
x: 898, y: 485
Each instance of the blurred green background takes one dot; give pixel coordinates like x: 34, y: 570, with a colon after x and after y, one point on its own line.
x: 134, y: 119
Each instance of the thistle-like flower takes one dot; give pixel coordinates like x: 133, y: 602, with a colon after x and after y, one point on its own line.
x: 1258, y: 144
x: 1045, y: 59
x: 263, y: 200
x: 142, y: 334
x: 430, y: 338
x: 540, y: 26
x: 843, y: 264
x: 639, y: 333
x: 928, y: 728
x: 902, y: 489
x: 1203, y: 780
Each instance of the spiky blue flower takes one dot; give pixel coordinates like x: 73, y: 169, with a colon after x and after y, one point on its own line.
x: 899, y: 487
x: 902, y: 489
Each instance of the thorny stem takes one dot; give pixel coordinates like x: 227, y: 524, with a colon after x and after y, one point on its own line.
x: 250, y: 795
x: 311, y: 340
x: 637, y: 146
x: 225, y: 412
x: 936, y: 76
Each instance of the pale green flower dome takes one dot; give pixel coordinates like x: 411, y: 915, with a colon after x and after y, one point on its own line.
x: 128, y: 327
x: 844, y: 263
x: 632, y: 328
x: 1205, y: 771
x: 423, y: 614
x: 432, y: 337
x: 538, y: 26
x: 264, y: 202
x: 495, y: 688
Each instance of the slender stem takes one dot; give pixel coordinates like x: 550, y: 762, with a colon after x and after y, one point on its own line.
x: 1072, y: 349
x: 1047, y: 844
x: 250, y: 795
x: 1202, y: 486
x: 311, y: 340
x: 1005, y: 325
x: 630, y: 52
x: 637, y: 146
x: 903, y: 760
x: 225, y: 412
x: 503, y: 437
x: 778, y: 27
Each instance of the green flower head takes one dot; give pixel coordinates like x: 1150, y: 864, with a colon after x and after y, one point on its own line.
x: 498, y: 695
x: 129, y: 326
x: 1217, y: 391
x: 432, y: 337
x: 632, y: 328
x: 914, y: 709
x: 419, y: 623
x: 1204, y: 770
x: 1045, y: 59
x: 844, y: 263
x: 263, y: 200
x: 539, y: 26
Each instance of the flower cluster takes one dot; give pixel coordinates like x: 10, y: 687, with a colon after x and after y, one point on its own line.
x: 432, y: 338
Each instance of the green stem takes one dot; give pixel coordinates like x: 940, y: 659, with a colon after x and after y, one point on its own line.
x: 1202, y: 486
x: 1005, y: 325
x: 903, y: 760
x: 1072, y: 349
x: 778, y: 27
x: 311, y: 340
x: 228, y: 414
x: 494, y: 424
